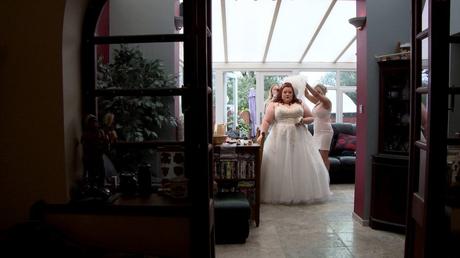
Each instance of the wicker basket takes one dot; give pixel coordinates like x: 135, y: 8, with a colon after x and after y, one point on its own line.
x: 219, y: 139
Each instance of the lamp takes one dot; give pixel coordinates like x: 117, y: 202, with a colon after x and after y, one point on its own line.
x: 358, y: 22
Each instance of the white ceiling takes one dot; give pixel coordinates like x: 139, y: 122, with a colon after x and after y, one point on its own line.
x: 283, y: 31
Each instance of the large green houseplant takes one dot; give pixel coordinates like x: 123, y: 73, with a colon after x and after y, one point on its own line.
x: 137, y: 118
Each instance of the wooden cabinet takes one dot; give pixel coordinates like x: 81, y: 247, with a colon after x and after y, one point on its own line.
x: 394, y: 106
x: 237, y: 169
x: 151, y: 224
x: 390, y: 165
x: 389, y: 188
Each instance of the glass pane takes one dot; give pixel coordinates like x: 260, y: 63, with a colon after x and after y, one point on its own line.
x: 396, y: 122
x: 217, y: 33
x: 326, y: 78
x: 291, y: 23
x: 424, y: 79
x: 425, y: 63
x: 453, y: 163
x: 141, y: 17
x: 347, y: 78
x: 138, y: 119
x: 240, y: 103
x: 453, y: 117
x: 165, y: 163
x: 335, y: 34
x: 421, y: 175
x: 269, y: 82
x: 214, y: 97
x: 425, y: 14
x: 248, y: 26
x: 128, y: 159
x: 349, y: 107
x: 424, y: 116
x: 136, y: 66
x: 231, y: 100
x: 350, y: 55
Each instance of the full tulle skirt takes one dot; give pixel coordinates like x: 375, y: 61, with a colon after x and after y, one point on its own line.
x: 292, y: 170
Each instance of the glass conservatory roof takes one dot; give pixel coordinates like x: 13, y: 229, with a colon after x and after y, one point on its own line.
x: 283, y: 31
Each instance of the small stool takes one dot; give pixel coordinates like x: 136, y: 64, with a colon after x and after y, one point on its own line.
x: 232, y: 213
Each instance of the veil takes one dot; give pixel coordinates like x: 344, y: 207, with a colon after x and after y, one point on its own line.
x: 298, y: 82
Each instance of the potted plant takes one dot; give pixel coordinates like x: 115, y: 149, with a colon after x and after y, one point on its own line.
x: 136, y: 119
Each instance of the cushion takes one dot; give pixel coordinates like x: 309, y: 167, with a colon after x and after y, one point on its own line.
x: 348, y: 153
x: 347, y: 160
x: 345, y: 142
x: 334, y: 161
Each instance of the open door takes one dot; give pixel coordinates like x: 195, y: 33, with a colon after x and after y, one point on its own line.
x: 427, y: 222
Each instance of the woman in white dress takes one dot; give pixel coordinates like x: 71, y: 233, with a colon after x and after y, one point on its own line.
x: 292, y: 171
x: 271, y: 94
x: 322, y: 128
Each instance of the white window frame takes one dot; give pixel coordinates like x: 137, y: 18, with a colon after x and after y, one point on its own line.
x: 262, y: 70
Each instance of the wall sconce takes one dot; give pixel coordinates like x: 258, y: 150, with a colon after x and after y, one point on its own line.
x: 358, y: 22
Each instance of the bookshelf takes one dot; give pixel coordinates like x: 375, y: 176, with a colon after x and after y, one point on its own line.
x: 237, y: 169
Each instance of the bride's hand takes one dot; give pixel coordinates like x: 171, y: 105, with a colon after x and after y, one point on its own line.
x: 299, y: 122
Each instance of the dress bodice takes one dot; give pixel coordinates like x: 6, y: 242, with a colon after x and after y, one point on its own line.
x: 322, y: 120
x: 321, y: 113
x: 288, y: 114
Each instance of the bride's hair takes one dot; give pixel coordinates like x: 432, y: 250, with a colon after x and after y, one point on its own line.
x: 278, y: 97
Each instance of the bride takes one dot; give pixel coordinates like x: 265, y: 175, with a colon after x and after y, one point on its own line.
x: 292, y: 170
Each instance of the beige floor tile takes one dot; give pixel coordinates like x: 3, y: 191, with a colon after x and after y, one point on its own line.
x: 323, y: 230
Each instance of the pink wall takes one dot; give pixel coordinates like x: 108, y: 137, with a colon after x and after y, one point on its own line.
x: 103, y: 29
x: 361, y: 131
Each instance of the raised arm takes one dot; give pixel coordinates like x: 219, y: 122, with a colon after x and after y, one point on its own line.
x: 319, y: 97
x: 308, y: 95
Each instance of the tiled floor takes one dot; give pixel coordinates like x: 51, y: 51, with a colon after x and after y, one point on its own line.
x: 318, y: 230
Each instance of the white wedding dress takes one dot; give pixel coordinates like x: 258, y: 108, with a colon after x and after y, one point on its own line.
x: 292, y: 170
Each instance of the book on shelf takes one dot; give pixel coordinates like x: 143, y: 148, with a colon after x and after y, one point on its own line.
x: 230, y: 167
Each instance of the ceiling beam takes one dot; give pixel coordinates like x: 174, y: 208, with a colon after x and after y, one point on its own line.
x: 272, y: 28
x: 345, y: 49
x: 318, y: 30
x: 224, y: 29
x: 282, y: 66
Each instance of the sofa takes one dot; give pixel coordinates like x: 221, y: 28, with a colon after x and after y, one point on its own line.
x: 342, y: 154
